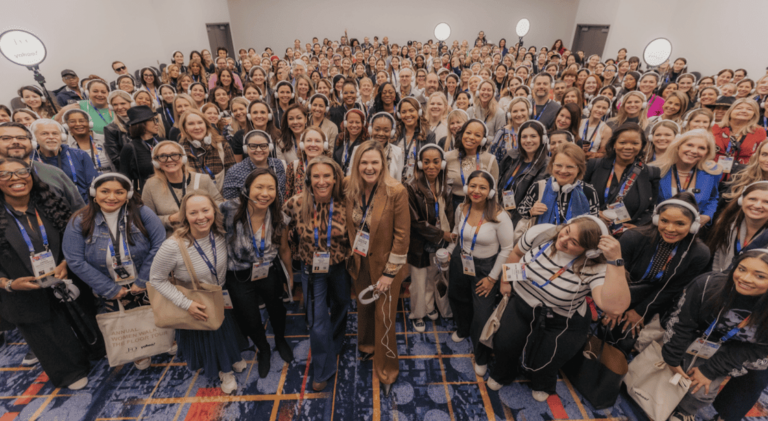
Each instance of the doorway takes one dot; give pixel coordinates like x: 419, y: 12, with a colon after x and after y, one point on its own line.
x: 219, y: 35
x: 590, y: 39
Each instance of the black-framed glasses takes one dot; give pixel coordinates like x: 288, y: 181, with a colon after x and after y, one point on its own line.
x: 169, y: 156
x: 262, y: 146
x: 11, y: 138
x: 20, y: 173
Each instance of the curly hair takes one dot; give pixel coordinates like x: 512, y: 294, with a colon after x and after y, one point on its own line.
x: 43, y: 198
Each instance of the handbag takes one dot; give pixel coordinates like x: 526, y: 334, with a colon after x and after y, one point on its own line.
x: 597, y: 372
x: 652, y: 332
x: 167, y: 314
x: 131, y: 335
x: 493, y: 323
x: 441, y: 294
x: 655, y: 388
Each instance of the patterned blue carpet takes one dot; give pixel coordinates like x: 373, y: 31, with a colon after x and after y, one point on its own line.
x: 437, y: 383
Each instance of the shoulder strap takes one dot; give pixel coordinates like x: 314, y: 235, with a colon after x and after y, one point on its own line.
x: 188, y: 263
x: 196, y: 184
x: 542, y: 187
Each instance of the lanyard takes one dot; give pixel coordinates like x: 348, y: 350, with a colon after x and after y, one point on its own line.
x: 567, y: 210
x: 628, y: 182
x: 168, y: 113
x: 367, y: 206
x: 211, y: 267
x: 677, y: 179
x: 591, y: 138
x: 152, y: 146
x: 345, y: 155
x: 514, y: 173
x: 437, y: 205
x: 71, y: 165
x: 115, y: 244
x: 765, y: 122
x: 477, y: 167
x: 316, y: 224
x: 95, y: 154
x: 538, y: 116
x: 663, y: 268
x: 737, y: 147
x: 24, y: 234
x: 474, y: 237
x: 99, y: 112
x: 259, y: 250
x: 183, y: 190
x: 731, y: 333
x: 558, y: 273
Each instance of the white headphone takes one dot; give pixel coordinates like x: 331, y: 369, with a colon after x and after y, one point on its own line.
x: 269, y: 110
x: 741, y: 198
x: 695, y: 225
x: 284, y: 83
x: 383, y: 114
x: 189, y: 90
x: 650, y: 132
x: 92, y: 189
x: 593, y: 253
x: 443, y: 163
x: 37, y: 90
x: 301, y: 141
x: 374, y: 295
x: 263, y: 134
x: 40, y: 121
x: 642, y: 95
x: 566, y: 188
x: 544, y: 137
x: 156, y: 163
x: 207, y: 140
x: 527, y: 103
x: 325, y: 99
x: 491, y: 193
x: 418, y: 107
x: 75, y: 110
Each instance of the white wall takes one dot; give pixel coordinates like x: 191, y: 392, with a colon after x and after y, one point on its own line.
x: 276, y: 24
x: 696, y: 30
x: 87, y: 36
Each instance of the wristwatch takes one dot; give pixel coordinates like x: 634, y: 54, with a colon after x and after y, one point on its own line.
x: 617, y: 262
x: 8, y: 283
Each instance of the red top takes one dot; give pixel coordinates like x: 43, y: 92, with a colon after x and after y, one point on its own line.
x: 748, y: 145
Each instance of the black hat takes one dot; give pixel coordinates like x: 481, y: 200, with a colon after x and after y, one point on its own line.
x: 140, y: 114
x: 68, y: 72
x: 723, y: 101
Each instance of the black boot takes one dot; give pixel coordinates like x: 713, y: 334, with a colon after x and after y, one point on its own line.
x: 284, y: 349
x: 263, y: 359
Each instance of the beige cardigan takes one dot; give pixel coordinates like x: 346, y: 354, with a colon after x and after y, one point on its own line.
x: 157, y: 197
x: 453, y: 172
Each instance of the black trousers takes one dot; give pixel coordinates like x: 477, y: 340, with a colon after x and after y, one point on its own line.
x: 245, y: 302
x: 740, y: 394
x: 543, y: 354
x: 470, y: 311
x: 57, y: 347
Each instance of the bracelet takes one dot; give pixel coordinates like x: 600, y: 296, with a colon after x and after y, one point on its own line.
x: 8, y: 285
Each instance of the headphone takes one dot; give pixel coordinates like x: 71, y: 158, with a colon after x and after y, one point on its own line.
x: 566, y: 188
x: 75, y: 110
x: 383, y: 114
x: 374, y: 295
x: 325, y: 99
x: 687, y: 117
x: 284, y: 83
x: 165, y: 85
x: 155, y: 162
x: 417, y: 106
x: 642, y: 95
x: 264, y: 135
x: 593, y: 253
x: 207, y: 140
x: 650, y: 132
x: 544, y: 137
x: 696, y: 222
x: 30, y: 88
x: 741, y: 198
x: 66, y: 291
x: 269, y: 110
x: 92, y: 189
x: 527, y: 103
x: 90, y: 82
x: 593, y: 100
x: 189, y: 90
x: 477, y: 92
x: 571, y: 139
x: 491, y: 193
x: 485, y: 127
x: 443, y: 163
x: 45, y: 121
x: 301, y: 140
x: 658, y: 77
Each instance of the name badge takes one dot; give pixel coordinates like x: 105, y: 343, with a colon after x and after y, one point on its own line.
x: 227, y: 300
x: 321, y: 262
x: 362, y: 241
x: 726, y: 162
x: 622, y: 214
x: 509, y: 200
x: 409, y: 170
x: 260, y: 270
x: 703, y: 349
x: 43, y: 263
x: 514, y: 272
x: 468, y: 264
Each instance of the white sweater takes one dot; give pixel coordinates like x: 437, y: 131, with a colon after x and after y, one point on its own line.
x: 492, y: 235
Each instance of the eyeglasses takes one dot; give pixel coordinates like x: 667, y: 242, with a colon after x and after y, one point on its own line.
x: 170, y: 156
x: 262, y: 146
x: 20, y: 173
x: 120, y: 69
x: 69, y: 78
x: 10, y: 138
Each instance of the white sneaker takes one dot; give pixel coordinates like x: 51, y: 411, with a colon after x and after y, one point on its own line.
x: 78, y: 384
x: 540, y: 396
x: 480, y: 370
x: 433, y: 315
x: 493, y: 384
x: 456, y: 338
x: 228, y: 382
x: 173, y: 350
x: 143, y: 364
x: 240, y: 366
x: 419, y: 325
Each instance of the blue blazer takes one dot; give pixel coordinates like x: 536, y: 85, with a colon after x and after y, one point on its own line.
x: 705, y: 190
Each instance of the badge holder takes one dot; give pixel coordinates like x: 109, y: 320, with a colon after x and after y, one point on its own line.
x: 618, y: 213
x: 468, y: 264
x: 321, y: 262
x: 260, y: 270
x: 726, y: 162
x: 43, y: 266
x: 227, y: 300
x: 362, y: 242
x: 514, y: 272
x: 703, y: 348
x: 509, y: 200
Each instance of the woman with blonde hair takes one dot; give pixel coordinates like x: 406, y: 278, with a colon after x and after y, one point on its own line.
x: 171, y: 75
x: 455, y: 122
x: 660, y: 137
x: 437, y: 111
x: 163, y: 192
x: 631, y: 109
x: 312, y: 143
x: 518, y: 112
x: 756, y: 170
x: 738, y: 133
x: 675, y: 105
x: 207, y: 152
x: 687, y: 165
x: 485, y: 107
x: 698, y: 118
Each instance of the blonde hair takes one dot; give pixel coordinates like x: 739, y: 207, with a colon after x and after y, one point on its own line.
x: 461, y: 115
x: 159, y: 173
x: 622, y: 116
x: 167, y: 73
x: 670, y: 157
x: 649, y: 148
x: 216, y: 139
x: 243, y: 101
x: 575, y: 153
x: 442, y: 98
x: 355, y: 186
x: 183, y: 231
x: 683, y: 98
x: 516, y: 101
x: 337, y: 192
x: 751, y: 124
x: 490, y: 111
x: 126, y: 96
x: 302, y: 154
x: 186, y: 97
x: 693, y: 114
x: 750, y: 174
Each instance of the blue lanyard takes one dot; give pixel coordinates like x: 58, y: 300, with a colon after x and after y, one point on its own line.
x: 24, y: 234
x: 330, y: 225
x: 474, y: 238
x: 211, y: 267
x: 95, y: 153
x: 765, y: 122
x: 538, y: 116
x: 259, y: 250
x: 72, y: 168
x: 731, y: 333
x: 558, y: 273
x: 345, y: 156
x: 437, y: 205
x: 514, y: 174
x: 661, y: 271
x: 477, y: 167
x: 99, y: 112
x: 677, y: 179
x: 168, y: 113
x: 111, y: 246
x: 367, y: 207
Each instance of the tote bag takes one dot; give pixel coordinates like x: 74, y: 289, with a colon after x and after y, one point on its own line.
x: 131, y: 335
x: 597, y: 372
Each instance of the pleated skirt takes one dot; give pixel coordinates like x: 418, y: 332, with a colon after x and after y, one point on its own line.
x: 211, y: 350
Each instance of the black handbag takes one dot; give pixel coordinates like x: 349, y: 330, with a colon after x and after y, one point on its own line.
x: 597, y: 371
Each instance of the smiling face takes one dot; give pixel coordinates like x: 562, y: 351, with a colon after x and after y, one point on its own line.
x: 258, y: 149
x: 111, y: 196
x: 32, y: 99
x: 169, y: 157
x: 647, y: 85
x: 196, y: 127
x: 672, y: 106
x: 297, y: 122
x: 322, y: 180
x: 48, y: 136
x: 200, y: 214
x: 755, y: 206
x: 564, y: 169
x: 751, y: 277
x: 633, y: 106
x: 472, y: 137
x: 628, y: 145
x: 259, y: 115
x: 370, y: 167
x: 662, y: 137
x: 431, y: 162
x: 700, y: 121
x: 262, y: 192
x: 530, y: 141
x: 743, y: 112
x: 674, y: 224
x: 519, y: 113
x: 16, y: 187
x: 568, y: 240
x: 313, y: 144
x: 693, y: 151
x: 12, y: 145
x: 563, y: 120
x: 212, y: 115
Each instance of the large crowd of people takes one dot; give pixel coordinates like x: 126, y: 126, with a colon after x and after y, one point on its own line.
x: 581, y: 191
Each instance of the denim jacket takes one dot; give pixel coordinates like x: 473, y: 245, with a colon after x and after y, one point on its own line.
x: 86, y: 257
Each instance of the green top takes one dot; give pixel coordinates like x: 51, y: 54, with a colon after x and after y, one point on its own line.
x: 100, y: 117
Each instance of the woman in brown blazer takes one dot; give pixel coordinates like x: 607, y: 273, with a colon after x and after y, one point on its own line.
x: 379, y: 228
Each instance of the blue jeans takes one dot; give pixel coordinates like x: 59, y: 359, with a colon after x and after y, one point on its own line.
x: 326, y: 332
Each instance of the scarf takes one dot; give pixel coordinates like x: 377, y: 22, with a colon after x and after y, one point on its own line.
x: 577, y: 203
